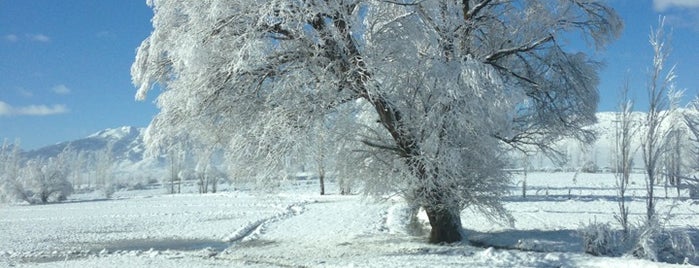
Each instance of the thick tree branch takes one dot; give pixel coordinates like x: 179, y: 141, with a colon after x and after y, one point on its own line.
x: 470, y: 13
x: 524, y: 48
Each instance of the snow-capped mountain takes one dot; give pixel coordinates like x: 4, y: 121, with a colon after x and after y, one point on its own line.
x: 127, y: 145
x: 129, y: 148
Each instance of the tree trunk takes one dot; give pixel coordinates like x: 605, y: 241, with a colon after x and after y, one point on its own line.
x: 179, y: 185
x: 444, y: 218
x: 446, y: 225
x: 321, y: 177
x: 345, y: 188
x: 44, y: 196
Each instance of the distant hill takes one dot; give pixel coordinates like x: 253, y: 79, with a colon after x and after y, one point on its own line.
x: 127, y: 144
x: 129, y: 148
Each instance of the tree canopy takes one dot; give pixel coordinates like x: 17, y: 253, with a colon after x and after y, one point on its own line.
x: 422, y: 97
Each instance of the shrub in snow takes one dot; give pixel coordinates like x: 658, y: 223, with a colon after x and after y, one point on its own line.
x: 599, y: 239
x: 589, y: 167
x: 657, y: 243
x: 651, y: 241
x: 10, y: 190
x: 694, y: 191
x: 108, y: 189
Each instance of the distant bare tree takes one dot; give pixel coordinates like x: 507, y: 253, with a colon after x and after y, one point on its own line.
x: 675, y: 153
x: 624, y: 132
x: 78, y: 167
x: 104, y: 161
x: 176, y: 157
x: 691, y: 119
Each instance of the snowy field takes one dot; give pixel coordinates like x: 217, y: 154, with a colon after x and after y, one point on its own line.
x: 296, y: 227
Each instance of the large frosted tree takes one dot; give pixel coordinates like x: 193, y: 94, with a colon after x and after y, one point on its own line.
x: 426, y: 96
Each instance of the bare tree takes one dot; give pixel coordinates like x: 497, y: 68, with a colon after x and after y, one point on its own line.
x: 320, y: 164
x: 78, y: 167
x: 691, y: 119
x: 448, y: 84
x: 624, y: 133
x: 104, y: 161
x: 324, y: 155
x: 176, y: 157
x: 203, y: 171
x: 661, y: 93
x: 675, y: 153
x: 202, y: 174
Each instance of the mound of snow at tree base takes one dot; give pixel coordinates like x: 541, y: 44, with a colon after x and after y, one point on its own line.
x: 293, y: 228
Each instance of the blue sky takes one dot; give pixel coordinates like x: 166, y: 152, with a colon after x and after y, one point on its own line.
x: 64, y: 64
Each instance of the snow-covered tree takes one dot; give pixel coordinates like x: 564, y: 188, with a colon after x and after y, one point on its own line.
x: 448, y: 85
x: 176, y: 158
x: 11, y: 161
x: 624, y: 131
x: 675, y: 153
x: 78, y: 167
x: 47, y: 180
x: 691, y: 119
x: 36, y: 181
x: 661, y: 96
x: 103, y: 161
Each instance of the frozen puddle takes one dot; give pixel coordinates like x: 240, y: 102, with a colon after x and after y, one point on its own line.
x: 163, y: 244
x: 131, y: 247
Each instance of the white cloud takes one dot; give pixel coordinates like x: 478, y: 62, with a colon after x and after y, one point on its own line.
x: 11, y: 38
x: 5, y: 109
x: 662, y: 5
x: 39, y: 38
x: 61, y: 90
x: 679, y: 13
x: 32, y: 110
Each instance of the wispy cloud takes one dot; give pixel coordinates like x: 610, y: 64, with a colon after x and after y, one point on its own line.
x: 39, y: 38
x: 25, y: 93
x: 662, y: 5
x: 32, y: 110
x: 61, y: 90
x: 688, y: 20
x: 40, y: 110
x: 106, y: 35
x: 11, y: 38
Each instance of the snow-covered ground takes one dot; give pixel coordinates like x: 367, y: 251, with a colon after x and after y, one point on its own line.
x: 295, y: 227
